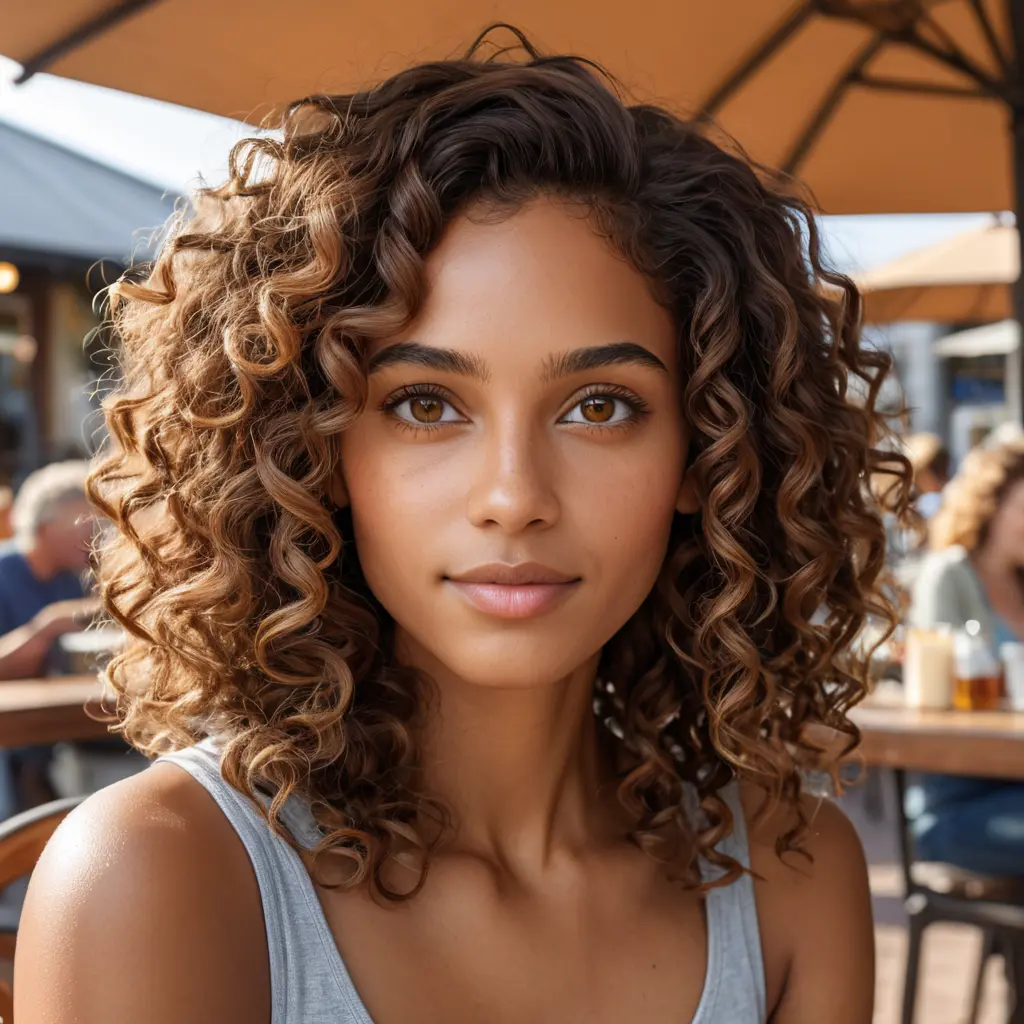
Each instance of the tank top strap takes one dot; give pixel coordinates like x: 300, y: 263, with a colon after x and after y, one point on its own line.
x: 735, y: 989
x: 309, y: 983
x: 295, y: 814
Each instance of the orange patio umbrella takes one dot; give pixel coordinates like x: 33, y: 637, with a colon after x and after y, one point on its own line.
x: 879, y: 105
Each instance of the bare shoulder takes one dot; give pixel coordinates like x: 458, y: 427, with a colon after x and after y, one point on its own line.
x: 814, y: 912
x: 144, y: 906
x: 831, y: 842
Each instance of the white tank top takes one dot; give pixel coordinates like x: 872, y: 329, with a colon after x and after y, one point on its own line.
x: 309, y: 983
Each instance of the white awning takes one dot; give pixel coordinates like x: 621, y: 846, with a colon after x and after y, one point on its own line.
x: 998, y: 339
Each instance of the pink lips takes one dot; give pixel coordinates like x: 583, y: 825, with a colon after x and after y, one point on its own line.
x: 513, y: 591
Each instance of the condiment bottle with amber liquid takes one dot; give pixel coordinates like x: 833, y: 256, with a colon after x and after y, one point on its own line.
x: 977, y: 675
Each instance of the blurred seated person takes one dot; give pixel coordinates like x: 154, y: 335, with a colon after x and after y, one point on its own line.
x: 974, y: 570
x: 929, y: 459
x: 42, y: 596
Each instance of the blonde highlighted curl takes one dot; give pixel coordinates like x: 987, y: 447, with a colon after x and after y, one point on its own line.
x: 974, y: 495
x: 243, y: 354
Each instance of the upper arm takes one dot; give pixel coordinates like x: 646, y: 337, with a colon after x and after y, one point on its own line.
x: 143, y: 906
x: 816, y: 921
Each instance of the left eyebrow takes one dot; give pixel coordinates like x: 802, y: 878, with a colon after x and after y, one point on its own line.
x: 579, y: 360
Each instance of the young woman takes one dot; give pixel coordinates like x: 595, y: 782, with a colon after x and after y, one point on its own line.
x: 491, y: 524
x: 975, y: 570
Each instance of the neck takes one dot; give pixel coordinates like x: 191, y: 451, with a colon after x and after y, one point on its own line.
x: 521, y: 769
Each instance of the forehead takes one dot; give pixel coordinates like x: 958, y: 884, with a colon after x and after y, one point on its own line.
x: 518, y: 287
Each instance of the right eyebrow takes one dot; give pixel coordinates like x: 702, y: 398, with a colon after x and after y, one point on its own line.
x: 447, y: 360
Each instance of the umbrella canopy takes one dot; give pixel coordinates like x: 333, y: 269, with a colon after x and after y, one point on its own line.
x: 880, y: 105
x: 968, y: 277
x: 57, y: 203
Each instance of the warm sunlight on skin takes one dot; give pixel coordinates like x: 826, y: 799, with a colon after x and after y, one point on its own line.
x: 498, y: 455
x: 460, y: 701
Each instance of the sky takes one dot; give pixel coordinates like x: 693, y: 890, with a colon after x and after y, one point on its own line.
x: 174, y: 147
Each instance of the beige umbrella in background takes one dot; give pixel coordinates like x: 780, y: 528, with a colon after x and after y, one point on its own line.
x: 969, y: 277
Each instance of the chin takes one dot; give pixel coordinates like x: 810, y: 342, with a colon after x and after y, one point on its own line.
x: 504, y: 661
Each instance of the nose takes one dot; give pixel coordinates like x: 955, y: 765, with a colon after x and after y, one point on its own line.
x: 514, y: 486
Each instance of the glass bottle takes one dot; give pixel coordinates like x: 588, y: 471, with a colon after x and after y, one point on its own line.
x: 978, y: 675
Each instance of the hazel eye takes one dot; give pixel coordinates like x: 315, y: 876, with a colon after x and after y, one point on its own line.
x: 598, y: 410
x: 425, y: 410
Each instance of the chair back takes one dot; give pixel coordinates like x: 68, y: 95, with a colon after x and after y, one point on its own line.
x: 22, y: 838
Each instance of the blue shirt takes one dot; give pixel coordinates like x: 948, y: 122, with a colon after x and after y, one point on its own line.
x: 22, y: 596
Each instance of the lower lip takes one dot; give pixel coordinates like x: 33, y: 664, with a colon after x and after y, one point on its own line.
x: 513, y: 602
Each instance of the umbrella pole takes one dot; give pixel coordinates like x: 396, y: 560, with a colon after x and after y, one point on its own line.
x: 1014, y: 377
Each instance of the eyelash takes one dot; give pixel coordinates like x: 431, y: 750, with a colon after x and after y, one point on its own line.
x: 637, y: 406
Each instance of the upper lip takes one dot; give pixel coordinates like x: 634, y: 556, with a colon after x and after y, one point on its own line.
x: 520, y: 574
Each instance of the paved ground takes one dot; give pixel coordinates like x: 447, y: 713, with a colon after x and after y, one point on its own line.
x: 950, y: 951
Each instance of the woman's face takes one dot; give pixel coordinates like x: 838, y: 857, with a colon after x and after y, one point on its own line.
x: 1006, y: 530
x: 514, y: 475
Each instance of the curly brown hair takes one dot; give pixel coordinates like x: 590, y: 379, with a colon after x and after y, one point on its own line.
x: 974, y: 495
x: 243, y: 353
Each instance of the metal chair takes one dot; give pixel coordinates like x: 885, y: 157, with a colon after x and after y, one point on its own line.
x: 1001, y: 921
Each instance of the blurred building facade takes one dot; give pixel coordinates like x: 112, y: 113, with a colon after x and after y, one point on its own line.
x: 68, y: 226
x: 957, y: 384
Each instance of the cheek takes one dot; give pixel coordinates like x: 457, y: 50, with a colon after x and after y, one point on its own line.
x: 623, y: 512
x: 399, y: 506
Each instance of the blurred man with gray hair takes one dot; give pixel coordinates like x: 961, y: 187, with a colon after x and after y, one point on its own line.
x: 41, y: 568
x: 42, y: 596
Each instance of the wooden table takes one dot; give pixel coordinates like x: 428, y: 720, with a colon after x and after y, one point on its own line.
x: 893, y: 736
x: 50, y: 710
x: 989, y: 743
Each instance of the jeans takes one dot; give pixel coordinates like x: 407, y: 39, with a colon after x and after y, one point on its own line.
x: 974, y: 824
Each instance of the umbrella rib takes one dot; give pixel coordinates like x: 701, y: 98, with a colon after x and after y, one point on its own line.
x: 952, y: 58
x: 829, y: 105
x: 990, y: 34
x: 945, y: 38
x: 922, y: 88
x: 79, y: 35
x: 907, y: 34
x: 754, y: 60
